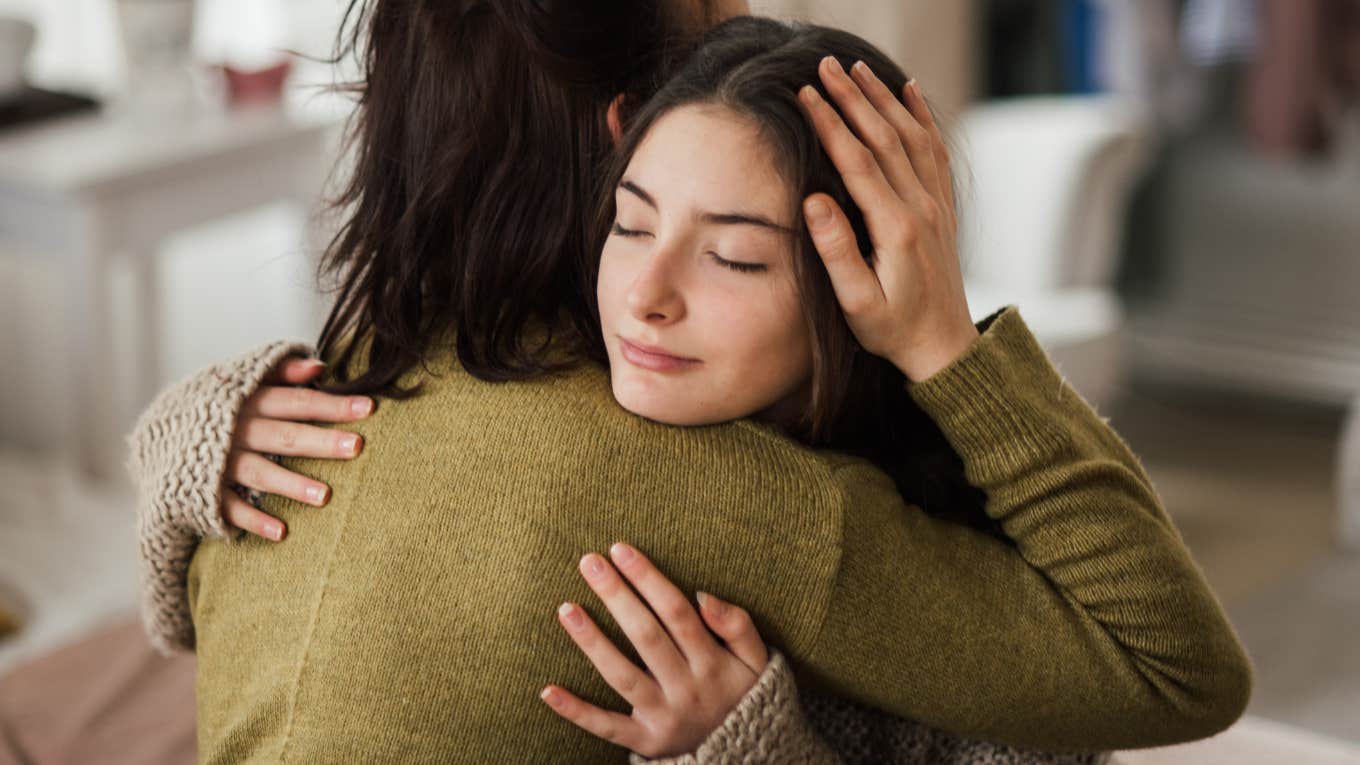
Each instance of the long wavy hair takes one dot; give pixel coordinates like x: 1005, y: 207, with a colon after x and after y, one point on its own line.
x: 477, y: 141
x: 859, y: 402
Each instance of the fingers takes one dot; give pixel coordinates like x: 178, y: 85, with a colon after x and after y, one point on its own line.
x: 244, y: 516
x: 260, y: 434
x: 735, y: 627
x: 857, y: 287
x: 873, y: 129
x: 293, y: 403
x: 652, y: 642
x: 295, y: 370
x: 666, y: 600
x: 621, y: 674
x: 256, y: 472
x: 920, y: 110
x: 610, y: 726
x: 915, y: 139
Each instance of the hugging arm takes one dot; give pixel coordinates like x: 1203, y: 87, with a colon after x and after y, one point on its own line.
x: 1091, y: 629
x: 201, y: 449
x: 714, y: 693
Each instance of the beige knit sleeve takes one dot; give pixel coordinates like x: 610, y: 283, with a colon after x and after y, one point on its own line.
x: 767, y: 726
x: 177, y: 458
x: 776, y: 723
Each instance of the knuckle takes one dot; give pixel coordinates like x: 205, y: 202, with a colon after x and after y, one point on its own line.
x: 286, y: 438
x: 299, y: 399
x: 675, y: 611
x: 862, y: 161
x: 882, y: 137
x: 903, y: 236
x: 930, y: 214
x: 650, y: 635
x: 629, y: 684
x: 917, y: 137
x: 739, y: 618
x: 857, y: 305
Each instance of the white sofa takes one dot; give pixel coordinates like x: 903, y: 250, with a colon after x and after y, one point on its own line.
x: 1043, y: 189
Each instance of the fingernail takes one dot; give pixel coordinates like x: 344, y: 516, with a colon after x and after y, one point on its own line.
x: 913, y: 86
x: 622, y: 553
x: 714, y: 606
x: 274, y: 531
x: 862, y: 69
x: 349, y: 444
x: 809, y: 95
x: 550, y: 697
x: 317, y: 494
x: 834, y: 64
x: 594, y: 564
x: 361, y: 407
x: 818, y: 212
x: 570, y: 614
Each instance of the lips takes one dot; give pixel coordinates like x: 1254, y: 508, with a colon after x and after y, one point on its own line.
x: 654, y: 359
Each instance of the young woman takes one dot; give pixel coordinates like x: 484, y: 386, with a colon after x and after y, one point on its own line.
x: 1055, y: 469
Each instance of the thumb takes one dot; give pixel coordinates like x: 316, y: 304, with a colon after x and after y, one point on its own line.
x: 735, y: 627
x: 295, y: 370
x: 857, y: 288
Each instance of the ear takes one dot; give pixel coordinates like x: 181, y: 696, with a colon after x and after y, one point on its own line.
x: 614, y: 118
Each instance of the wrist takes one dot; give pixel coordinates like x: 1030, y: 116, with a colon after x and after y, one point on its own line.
x: 924, y: 361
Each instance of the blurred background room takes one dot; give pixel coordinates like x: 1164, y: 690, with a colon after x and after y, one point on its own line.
x: 1169, y: 190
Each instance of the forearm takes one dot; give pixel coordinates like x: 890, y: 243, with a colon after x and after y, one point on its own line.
x: 1095, y: 631
x: 177, y: 458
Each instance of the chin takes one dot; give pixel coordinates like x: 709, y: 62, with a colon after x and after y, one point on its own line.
x: 651, y: 405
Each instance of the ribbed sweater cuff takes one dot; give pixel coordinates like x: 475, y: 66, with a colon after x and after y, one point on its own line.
x: 995, y: 403
x: 767, y: 726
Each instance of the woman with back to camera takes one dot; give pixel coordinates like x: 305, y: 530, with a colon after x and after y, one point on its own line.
x: 1105, y: 444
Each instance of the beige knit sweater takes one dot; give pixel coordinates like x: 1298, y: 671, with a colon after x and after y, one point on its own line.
x: 178, y: 459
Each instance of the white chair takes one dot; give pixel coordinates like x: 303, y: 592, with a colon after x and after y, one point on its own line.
x: 1044, y: 184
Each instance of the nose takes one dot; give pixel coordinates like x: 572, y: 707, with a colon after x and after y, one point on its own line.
x: 654, y: 296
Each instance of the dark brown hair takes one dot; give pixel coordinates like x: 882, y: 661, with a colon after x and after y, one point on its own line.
x: 477, y: 141
x: 859, y: 401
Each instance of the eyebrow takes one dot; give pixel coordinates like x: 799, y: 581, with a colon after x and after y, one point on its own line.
x: 744, y: 219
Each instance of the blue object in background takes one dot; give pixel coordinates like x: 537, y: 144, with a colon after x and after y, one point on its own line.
x: 1081, y: 40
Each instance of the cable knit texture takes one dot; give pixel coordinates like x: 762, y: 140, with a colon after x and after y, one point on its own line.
x: 427, y: 580
x: 177, y: 459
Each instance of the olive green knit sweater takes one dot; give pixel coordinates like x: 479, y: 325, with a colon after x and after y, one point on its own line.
x: 412, y: 619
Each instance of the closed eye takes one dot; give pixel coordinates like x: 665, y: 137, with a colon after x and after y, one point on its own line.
x: 621, y: 231
x: 735, y: 265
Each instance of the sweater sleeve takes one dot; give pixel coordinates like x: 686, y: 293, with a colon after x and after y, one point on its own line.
x: 1088, y: 628
x: 767, y: 725
x: 177, y: 458
x: 773, y: 722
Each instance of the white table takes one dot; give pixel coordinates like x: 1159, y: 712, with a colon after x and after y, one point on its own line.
x: 88, y: 189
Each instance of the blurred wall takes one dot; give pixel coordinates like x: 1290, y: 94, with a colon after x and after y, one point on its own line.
x: 933, y: 40
x: 227, y: 286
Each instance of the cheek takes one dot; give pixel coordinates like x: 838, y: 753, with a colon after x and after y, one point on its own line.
x: 611, y: 285
x: 770, y: 346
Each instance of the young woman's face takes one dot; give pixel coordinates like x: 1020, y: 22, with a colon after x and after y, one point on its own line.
x: 698, y: 301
